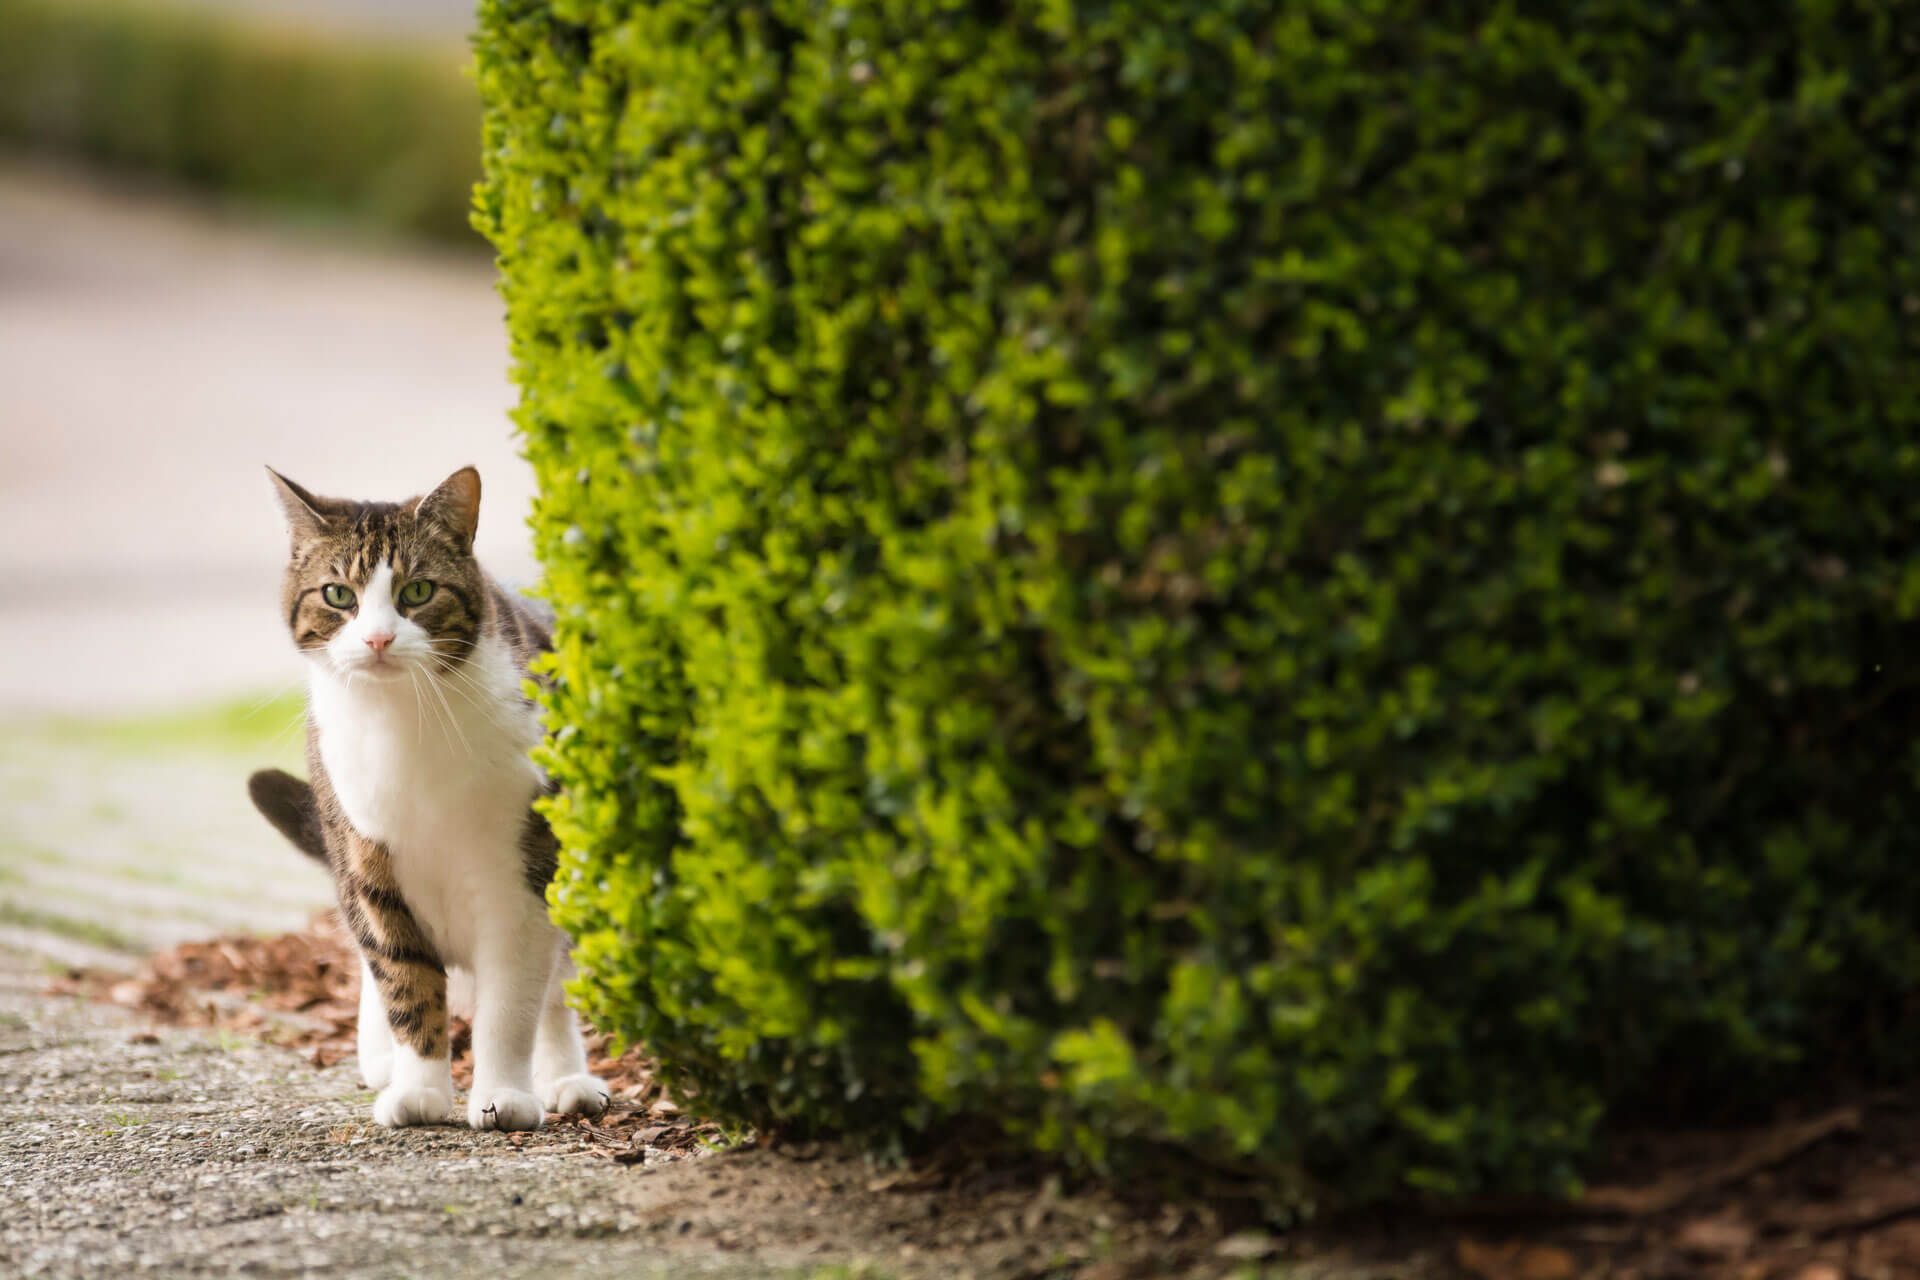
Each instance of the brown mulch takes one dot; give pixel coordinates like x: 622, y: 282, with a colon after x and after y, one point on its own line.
x: 302, y: 991
x: 1829, y: 1194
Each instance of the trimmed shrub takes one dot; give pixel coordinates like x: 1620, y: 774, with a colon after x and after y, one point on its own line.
x: 1327, y: 585
x: 385, y: 133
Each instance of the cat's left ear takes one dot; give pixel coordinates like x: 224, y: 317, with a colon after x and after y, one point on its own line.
x: 306, y: 514
x: 455, y: 505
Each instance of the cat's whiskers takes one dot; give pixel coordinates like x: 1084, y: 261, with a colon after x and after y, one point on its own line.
x: 278, y: 692
x: 418, y: 714
x: 487, y: 713
x: 452, y: 719
x: 293, y: 726
x: 465, y: 676
x: 424, y: 705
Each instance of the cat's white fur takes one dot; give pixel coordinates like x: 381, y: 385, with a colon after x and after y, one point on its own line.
x: 435, y: 767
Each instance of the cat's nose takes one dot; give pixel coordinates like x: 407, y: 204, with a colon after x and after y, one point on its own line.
x: 378, y: 642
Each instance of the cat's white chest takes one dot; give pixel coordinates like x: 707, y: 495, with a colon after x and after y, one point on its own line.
x: 439, y: 776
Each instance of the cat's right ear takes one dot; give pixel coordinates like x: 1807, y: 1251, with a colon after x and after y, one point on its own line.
x: 305, y: 519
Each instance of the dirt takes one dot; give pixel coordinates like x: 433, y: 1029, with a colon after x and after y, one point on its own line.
x: 1833, y: 1195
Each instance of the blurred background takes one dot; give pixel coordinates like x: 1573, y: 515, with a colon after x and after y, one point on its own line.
x: 233, y: 233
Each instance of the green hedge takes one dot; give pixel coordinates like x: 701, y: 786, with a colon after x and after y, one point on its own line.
x: 385, y: 133
x: 1330, y: 585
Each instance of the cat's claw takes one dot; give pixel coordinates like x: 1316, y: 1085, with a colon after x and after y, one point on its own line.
x: 398, y: 1107
x: 581, y: 1095
x: 505, y: 1109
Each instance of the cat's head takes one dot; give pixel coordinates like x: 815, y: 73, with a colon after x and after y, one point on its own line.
x: 382, y: 588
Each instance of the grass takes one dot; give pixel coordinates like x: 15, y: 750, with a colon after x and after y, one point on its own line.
x: 91, y: 932
x: 262, y: 728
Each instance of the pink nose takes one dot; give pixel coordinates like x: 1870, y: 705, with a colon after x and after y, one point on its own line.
x: 378, y: 642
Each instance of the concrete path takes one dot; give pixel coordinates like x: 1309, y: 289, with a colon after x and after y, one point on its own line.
x: 154, y: 357
x: 428, y: 19
x: 172, y: 1153
x: 124, y: 837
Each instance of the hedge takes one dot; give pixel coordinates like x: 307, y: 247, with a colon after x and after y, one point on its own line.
x: 1326, y: 588
x: 384, y: 133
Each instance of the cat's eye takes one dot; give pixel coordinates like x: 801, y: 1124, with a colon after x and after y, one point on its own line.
x: 417, y: 592
x: 337, y: 595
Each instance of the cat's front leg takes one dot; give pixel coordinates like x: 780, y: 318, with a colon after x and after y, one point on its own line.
x: 510, y: 976
x: 419, y: 1085
x: 409, y: 987
x: 374, y: 1043
x: 559, y: 1058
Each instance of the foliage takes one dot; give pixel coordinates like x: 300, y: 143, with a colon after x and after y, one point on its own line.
x: 1329, y: 585
x: 385, y: 133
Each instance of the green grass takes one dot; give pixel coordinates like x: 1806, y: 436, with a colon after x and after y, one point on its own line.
x: 91, y: 932
x: 264, y: 730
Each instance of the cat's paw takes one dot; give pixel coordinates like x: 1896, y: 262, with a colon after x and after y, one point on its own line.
x: 504, y: 1109
x: 399, y: 1106
x: 581, y: 1095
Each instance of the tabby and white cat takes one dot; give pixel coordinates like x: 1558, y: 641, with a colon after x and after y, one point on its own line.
x: 417, y: 742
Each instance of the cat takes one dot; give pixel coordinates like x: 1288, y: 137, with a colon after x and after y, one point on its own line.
x: 418, y: 737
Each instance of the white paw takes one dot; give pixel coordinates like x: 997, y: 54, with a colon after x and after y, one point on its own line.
x: 504, y: 1109
x: 399, y: 1106
x: 580, y: 1095
x: 376, y: 1072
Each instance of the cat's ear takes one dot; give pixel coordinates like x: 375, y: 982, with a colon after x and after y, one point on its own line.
x: 455, y: 505
x: 306, y: 514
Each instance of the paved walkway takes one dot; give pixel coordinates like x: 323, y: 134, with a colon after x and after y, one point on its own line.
x: 153, y: 358
x: 445, y: 19
x: 170, y: 1153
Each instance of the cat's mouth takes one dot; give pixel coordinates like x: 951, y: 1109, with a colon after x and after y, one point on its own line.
x: 378, y: 668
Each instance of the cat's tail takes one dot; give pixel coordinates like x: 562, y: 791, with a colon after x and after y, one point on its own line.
x: 287, y: 803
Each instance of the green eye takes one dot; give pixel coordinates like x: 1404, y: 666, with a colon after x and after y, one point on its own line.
x: 338, y: 596
x: 419, y: 591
